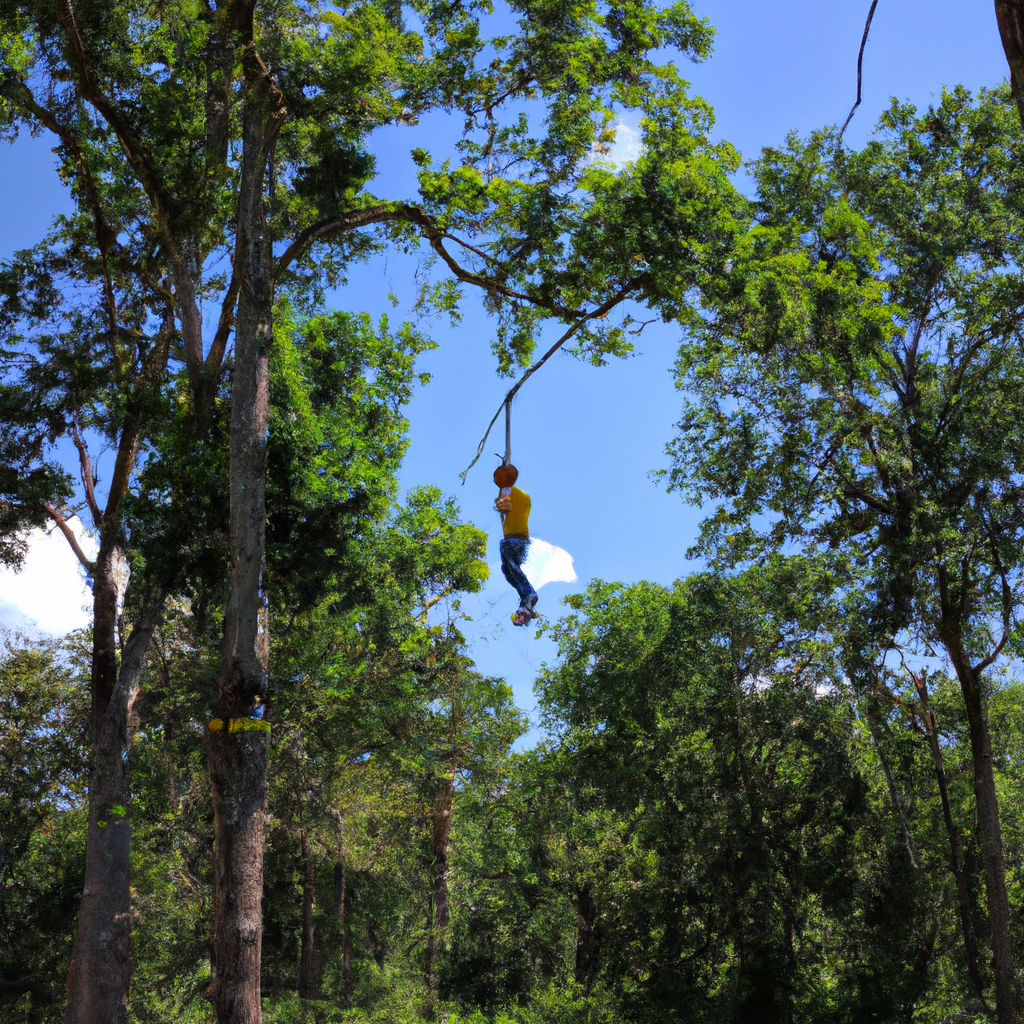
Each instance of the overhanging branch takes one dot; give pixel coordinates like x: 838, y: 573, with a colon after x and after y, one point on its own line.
x: 351, y: 220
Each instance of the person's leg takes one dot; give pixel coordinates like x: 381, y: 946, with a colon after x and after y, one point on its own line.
x: 513, y: 554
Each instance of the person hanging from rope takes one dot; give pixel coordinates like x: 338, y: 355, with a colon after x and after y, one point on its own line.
x: 528, y: 563
x: 514, y: 506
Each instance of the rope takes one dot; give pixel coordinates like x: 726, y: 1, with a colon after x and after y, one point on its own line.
x: 598, y: 314
x: 508, y: 433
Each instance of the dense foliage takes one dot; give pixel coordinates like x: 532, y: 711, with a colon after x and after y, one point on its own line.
x: 709, y: 835
x: 786, y: 789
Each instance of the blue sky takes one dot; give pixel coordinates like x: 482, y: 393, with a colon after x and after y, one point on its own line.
x: 585, y: 439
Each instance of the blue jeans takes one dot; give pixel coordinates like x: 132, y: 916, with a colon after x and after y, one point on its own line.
x: 513, y: 554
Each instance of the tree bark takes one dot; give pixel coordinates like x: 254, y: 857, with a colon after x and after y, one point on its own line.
x: 874, y: 719
x: 347, y: 901
x: 1010, y: 19
x: 238, y: 743
x: 441, y: 834
x: 989, y: 830
x: 975, y: 979
x: 437, y: 911
x: 308, y: 982
x: 587, y: 941
x: 342, y: 912
x: 100, y: 973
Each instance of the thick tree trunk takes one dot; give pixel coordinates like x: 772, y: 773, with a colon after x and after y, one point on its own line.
x: 342, y: 905
x: 989, y: 830
x: 1010, y: 19
x: 100, y: 974
x: 975, y: 979
x: 309, y: 987
x: 238, y: 780
x: 874, y: 727
x: 339, y: 892
x: 347, y: 901
x: 101, y: 966
x: 437, y: 912
x: 237, y: 742
x: 587, y: 940
x: 440, y: 837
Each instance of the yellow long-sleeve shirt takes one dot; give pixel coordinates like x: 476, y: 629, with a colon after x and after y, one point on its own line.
x: 517, y: 520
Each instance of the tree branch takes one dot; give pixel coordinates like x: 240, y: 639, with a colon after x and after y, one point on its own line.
x: 128, y: 446
x: 162, y: 202
x: 1007, y: 599
x: 104, y: 234
x: 69, y: 536
x: 436, y: 237
x: 138, y: 156
x: 352, y: 219
x: 88, y: 481
x: 348, y: 221
x: 133, y: 659
x: 860, y: 65
x: 421, y: 618
x: 224, y: 325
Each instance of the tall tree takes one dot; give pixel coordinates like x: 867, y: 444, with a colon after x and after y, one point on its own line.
x: 856, y: 389
x: 85, y: 348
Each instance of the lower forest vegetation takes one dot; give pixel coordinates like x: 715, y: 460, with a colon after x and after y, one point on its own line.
x: 269, y: 783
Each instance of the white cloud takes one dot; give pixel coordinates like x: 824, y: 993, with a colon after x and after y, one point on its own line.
x: 49, y: 593
x: 547, y: 564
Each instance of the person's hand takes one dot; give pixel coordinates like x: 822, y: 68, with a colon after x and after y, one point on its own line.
x: 503, y: 503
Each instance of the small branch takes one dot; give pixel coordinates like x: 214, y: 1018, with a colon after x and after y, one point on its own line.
x: 131, y: 430
x: 436, y: 238
x: 139, y: 157
x: 88, y: 481
x: 876, y: 725
x: 1007, y: 598
x: 965, y: 575
x: 164, y: 205
x: 69, y: 536
x: 428, y: 604
x: 852, y: 490
x: 105, y: 235
x: 860, y: 65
